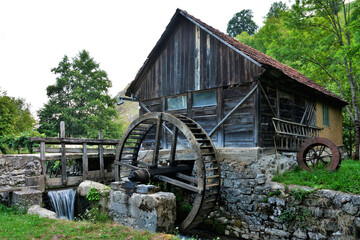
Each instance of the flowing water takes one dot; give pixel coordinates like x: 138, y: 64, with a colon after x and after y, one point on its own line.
x: 63, y: 202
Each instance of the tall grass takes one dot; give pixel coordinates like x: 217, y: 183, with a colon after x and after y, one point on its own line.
x: 16, y: 224
x: 345, y: 179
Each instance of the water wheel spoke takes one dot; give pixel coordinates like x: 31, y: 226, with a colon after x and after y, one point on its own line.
x: 179, y: 183
x: 318, y: 152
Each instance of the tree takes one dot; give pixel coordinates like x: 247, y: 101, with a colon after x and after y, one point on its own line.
x: 276, y: 9
x: 241, y: 22
x: 321, y: 39
x: 80, y: 98
x: 335, y: 23
x: 15, y: 116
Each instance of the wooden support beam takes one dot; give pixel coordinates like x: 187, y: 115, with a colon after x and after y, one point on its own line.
x: 42, y: 160
x: 173, y: 146
x: 178, y: 183
x: 157, y: 141
x: 101, y: 157
x: 85, y: 162
x: 63, y: 155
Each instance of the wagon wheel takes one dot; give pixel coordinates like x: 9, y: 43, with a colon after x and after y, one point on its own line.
x: 199, y: 176
x: 318, y: 153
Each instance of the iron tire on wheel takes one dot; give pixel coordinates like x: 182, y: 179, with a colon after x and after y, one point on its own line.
x: 312, y: 152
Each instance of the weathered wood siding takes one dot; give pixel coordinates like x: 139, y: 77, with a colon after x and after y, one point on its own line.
x: 286, y: 105
x: 194, y: 60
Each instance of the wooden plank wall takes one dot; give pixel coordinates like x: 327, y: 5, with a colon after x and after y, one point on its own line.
x: 173, y: 71
x: 239, y: 128
x: 288, y: 106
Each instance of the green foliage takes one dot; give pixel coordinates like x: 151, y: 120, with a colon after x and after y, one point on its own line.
x: 94, y: 215
x: 300, y: 216
x: 276, y: 193
x: 18, y: 143
x: 241, y: 22
x: 276, y: 9
x: 300, y: 194
x: 80, y: 98
x: 16, y: 225
x: 15, y: 116
x: 93, y: 195
x: 346, y: 179
x: 320, y: 38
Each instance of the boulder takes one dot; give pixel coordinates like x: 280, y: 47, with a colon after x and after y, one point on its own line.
x: 85, y: 186
x: 42, y: 212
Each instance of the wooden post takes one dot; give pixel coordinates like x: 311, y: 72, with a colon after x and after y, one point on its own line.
x: 157, y: 141
x: 63, y: 155
x: 101, y: 158
x: 173, y: 146
x: 42, y: 160
x: 85, y: 162
x: 117, y: 167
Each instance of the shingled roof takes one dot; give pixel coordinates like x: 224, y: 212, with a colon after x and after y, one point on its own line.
x: 252, y: 54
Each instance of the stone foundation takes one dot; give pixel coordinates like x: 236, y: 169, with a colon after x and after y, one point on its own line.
x: 153, y: 212
x: 251, y: 206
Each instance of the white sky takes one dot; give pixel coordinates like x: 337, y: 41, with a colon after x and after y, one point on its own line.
x: 35, y: 35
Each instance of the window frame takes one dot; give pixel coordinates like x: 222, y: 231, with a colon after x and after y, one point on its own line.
x: 326, y: 115
x: 173, y: 97
x: 204, y: 105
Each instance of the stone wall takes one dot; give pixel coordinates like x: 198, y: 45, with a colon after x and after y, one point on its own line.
x: 253, y: 207
x: 14, y: 169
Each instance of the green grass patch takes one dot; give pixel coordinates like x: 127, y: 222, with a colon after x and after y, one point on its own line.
x: 345, y: 179
x: 15, y: 224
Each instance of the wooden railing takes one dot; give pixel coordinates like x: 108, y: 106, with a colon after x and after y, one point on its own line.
x: 290, y: 135
x: 98, y: 152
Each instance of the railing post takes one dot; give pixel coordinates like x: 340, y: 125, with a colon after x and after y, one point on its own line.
x: 85, y: 162
x: 101, y: 158
x: 63, y: 155
x: 42, y: 160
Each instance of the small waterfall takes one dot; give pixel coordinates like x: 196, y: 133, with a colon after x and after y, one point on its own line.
x: 63, y: 202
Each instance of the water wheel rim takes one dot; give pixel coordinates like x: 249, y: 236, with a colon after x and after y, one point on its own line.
x: 310, y: 144
x: 198, y: 211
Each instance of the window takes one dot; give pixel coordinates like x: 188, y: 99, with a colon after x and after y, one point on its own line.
x: 202, y: 99
x: 326, y: 119
x: 176, y: 103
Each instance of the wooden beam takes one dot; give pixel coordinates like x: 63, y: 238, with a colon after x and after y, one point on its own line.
x: 43, y: 160
x: 178, y: 183
x: 75, y: 141
x: 85, y: 162
x: 157, y: 141
x: 173, y: 146
x: 101, y: 157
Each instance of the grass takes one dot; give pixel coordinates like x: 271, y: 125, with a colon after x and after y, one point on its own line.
x: 345, y: 179
x: 15, y: 224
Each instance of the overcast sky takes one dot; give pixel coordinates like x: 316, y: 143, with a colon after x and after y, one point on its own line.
x: 35, y: 35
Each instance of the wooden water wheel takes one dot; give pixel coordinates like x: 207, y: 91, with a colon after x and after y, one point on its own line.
x: 318, y: 153
x: 198, y: 175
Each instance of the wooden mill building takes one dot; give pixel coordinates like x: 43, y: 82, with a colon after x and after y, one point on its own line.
x: 203, y: 73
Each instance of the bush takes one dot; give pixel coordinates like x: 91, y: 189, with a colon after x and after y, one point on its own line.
x: 18, y: 143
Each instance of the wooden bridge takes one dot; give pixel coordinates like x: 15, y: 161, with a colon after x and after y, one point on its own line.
x: 81, y: 149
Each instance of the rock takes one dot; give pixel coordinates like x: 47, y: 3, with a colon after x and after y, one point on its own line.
x: 350, y: 209
x: 152, y: 212
x: 26, y: 198
x: 316, y: 236
x: 85, y: 186
x: 300, y: 234
x: 42, y: 212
